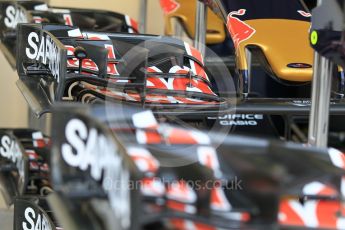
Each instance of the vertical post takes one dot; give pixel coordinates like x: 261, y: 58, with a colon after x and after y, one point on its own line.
x: 341, y: 84
x: 246, y: 81
x: 321, y: 96
x: 143, y: 16
x: 200, y: 27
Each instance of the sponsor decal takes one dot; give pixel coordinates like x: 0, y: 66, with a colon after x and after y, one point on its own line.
x: 301, y: 102
x: 181, y: 207
x: 239, y: 119
x: 304, y: 14
x: 338, y: 160
x: 208, y: 157
x: 182, y: 84
x: 325, y: 214
x: 169, y: 6
x: 60, y: 11
x: 88, y: 149
x: 75, y: 33
x: 74, y: 62
x: 181, y: 191
x: 144, y: 160
x: 10, y: 150
x: 39, y: 140
x: 112, y: 69
x: 299, y: 65
x: 42, y: 7
x: 14, y: 16
x: 68, y: 19
x: 153, y: 187
x: 44, y: 50
x: 172, y: 135
x: 219, y: 202
x: 29, y: 216
x: 32, y: 155
x: 239, y: 30
x: 132, y: 24
x: 195, y: 67
x: 96, y: 36
x: 144, y: 120
x: 37, y: 19
x: 89, y: 64
x: 35, y: 220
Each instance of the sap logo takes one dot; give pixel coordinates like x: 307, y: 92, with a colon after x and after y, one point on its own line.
x: 87, y: 149
x: 242, y: 117
x: 10, y: 150
x: 239, y: 123
x: 301, y: 102
x: 239, y: 119
x: 35, y: 221
x: 14, y: 16
x: 44, y: 50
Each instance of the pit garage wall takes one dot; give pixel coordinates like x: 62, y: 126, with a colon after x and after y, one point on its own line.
x: 13, y: 110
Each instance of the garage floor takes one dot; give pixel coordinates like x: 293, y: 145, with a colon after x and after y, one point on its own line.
x: 6, y: 216
x: 6, y: 219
